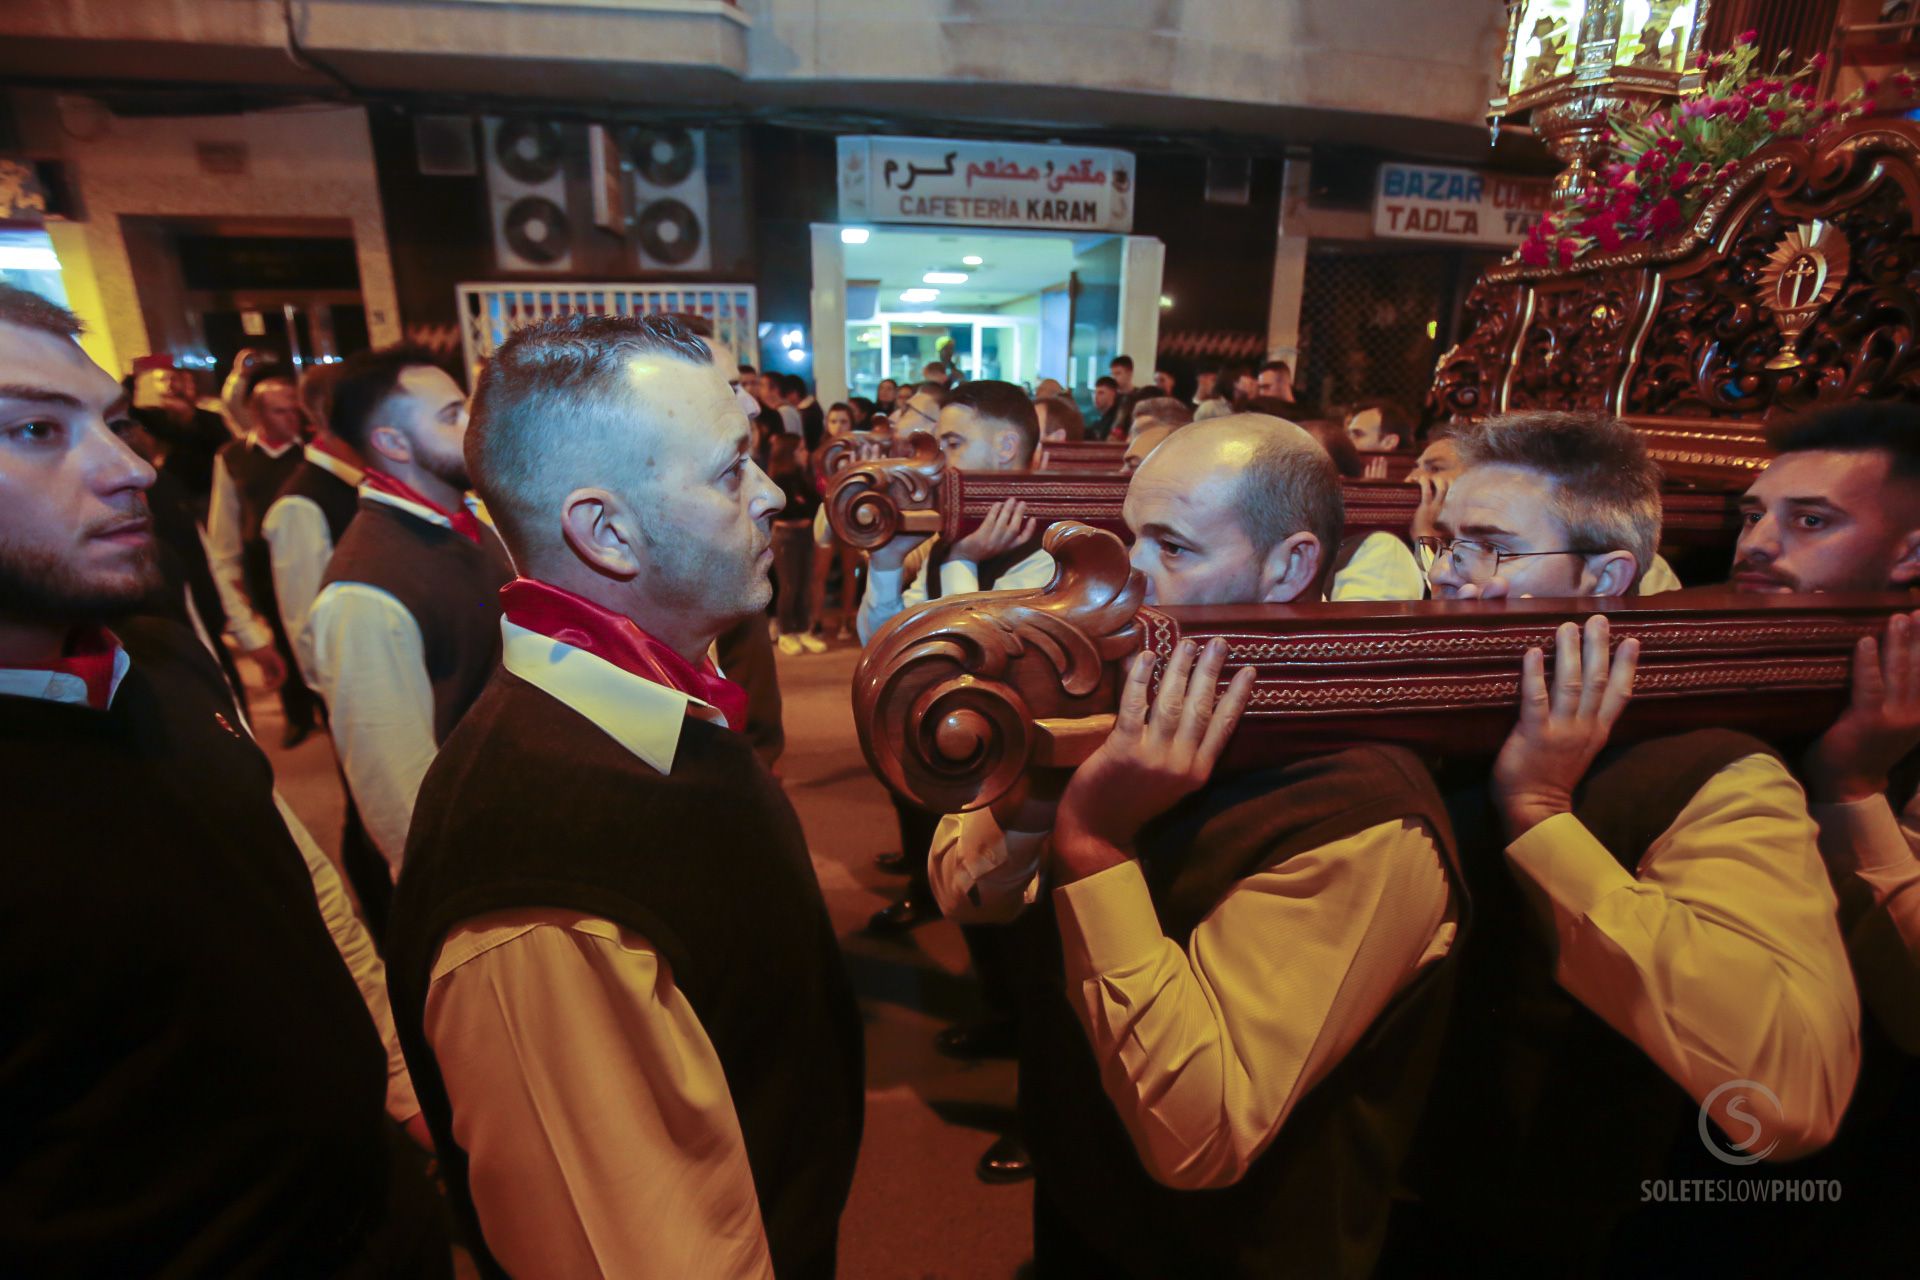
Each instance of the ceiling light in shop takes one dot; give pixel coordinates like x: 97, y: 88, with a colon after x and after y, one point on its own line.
x: 945, y: 277
x: 973, y: 260
x: 854, y: 235
x: 1166, y: 303
x: 919, y: 295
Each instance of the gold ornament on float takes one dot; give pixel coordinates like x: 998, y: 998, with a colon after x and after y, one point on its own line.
x: 1801, y: 276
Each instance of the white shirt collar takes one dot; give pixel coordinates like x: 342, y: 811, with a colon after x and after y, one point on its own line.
x: 59, y: 686
x: 256, y: 442
x: 640, y: 715
x: 339, y: 468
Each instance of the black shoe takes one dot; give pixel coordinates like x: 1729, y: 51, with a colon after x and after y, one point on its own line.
x: 895, y: 861
x: 1005, y: 1161
x: 972, y: 1040
x: 902, y: 916
x: 295, y: 734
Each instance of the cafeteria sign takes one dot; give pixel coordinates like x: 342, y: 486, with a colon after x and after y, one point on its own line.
x: 1464, y: 206
x: 985, y: 184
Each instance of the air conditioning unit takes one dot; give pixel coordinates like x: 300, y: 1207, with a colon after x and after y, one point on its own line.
x: 527, y: 184
x: 670, y: 226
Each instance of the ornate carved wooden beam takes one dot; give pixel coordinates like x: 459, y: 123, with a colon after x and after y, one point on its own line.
x: 955, y: 700
x: 904, y: 496
x: 841, y: 452
x: 1084, y: 455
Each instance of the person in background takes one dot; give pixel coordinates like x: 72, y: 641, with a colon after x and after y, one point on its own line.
x: 1373, y: 565
x: 1275, y: 381
x: 884, y: 395
x: 1164, y: 380
x: 1379, y: 426
x: 1214, y: 399
x: 1158, y: 411
x: 193, y: 1083
x: 1203, y: 384
x: 1143, y: 442
x: 936, y: 371
x: 320, y: 499
x: 250, y: 365
x: 1120, y: 369
x: 1060, y: 421
x: 813, y: 419
x: 405, y: 629
x: 862, y: 411
x: 187, y: 436
x: 921, y: 410
x: 793, y: 549
x: 614, y: 975
x: 789, y: 391
x: 1244, y: 382
x: 1434, y: 471
x: 1106, y: 406
x: 1047, y: 387
x: 829, y: 550
x: 247, y: 476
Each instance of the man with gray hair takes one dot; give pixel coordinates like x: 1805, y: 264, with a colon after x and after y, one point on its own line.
x: 1548, y: 504
x: 611, y: 961
x: 1211, y: 958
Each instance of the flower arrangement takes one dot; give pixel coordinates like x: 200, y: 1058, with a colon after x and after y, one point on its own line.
x: 1667, y: 163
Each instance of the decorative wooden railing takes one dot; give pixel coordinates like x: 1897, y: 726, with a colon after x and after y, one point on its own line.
x: 1794, y: 287
x: 954, y: 701
x: 841, y: 452
x: 873, y: 501
x: 1083, y: 455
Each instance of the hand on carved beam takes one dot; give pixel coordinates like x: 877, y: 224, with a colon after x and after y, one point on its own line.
x: 1561, y: 729
x: 1881, y: 725
x: 1152, y: 760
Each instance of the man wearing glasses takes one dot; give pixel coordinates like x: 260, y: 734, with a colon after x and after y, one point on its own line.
x: 1654, y: 924
x: 1548, y: 504
x: 921, y: 410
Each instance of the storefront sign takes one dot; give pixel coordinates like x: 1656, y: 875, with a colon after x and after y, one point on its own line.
x: 985, y: 184
x: 1463, y: 206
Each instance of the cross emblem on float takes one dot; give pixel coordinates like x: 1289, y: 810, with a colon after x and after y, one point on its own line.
x: 1801, y: 276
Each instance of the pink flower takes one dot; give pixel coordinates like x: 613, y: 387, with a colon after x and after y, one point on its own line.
x: 1748, y: 36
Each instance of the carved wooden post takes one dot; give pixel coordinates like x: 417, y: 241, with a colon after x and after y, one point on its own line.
x: 946, y: 697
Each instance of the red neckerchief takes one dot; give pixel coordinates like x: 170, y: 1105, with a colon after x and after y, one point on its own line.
x: 563, y: 616
x: 464, y: 522
x: 90, y: 657
x: 339, y: 452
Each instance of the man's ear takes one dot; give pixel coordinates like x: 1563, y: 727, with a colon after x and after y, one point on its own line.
x: 1613, y: 573
x: 1390, y: 443
x: 1290, y: 571
x: 390, y: 443
x: 1906, y: 564
x: 1006, y: 448
x: 600, y: 532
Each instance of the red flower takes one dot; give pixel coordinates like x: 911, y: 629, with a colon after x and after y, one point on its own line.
x: 1682, y: 174
x: 1663, y: 216
x: 1870, y: 88
x: 1671, y: 145
x: 1818, y: 62
x: 1739, y: 111
x: 1776, y: 120
x: 1565, y: 251
x: 1534, y: 254
x: 1748, y: 36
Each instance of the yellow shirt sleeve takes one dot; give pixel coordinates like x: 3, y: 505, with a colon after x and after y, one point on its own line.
x: 1205, y: 1051
x: 1722, y: 960
x: 601, y: 1137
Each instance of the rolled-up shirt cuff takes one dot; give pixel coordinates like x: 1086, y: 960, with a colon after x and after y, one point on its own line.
x: 250, y: 634
x: 1862, y: 837
x: 1107, y: 921
x: 1567, y: 863
x: 959, y: 578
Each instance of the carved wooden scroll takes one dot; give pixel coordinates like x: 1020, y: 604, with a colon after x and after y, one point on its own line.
x: 1793, y: 288
x: 954, y: 504
x: 872, y: 502
x: 842, y: 452
x: 955, y: 700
